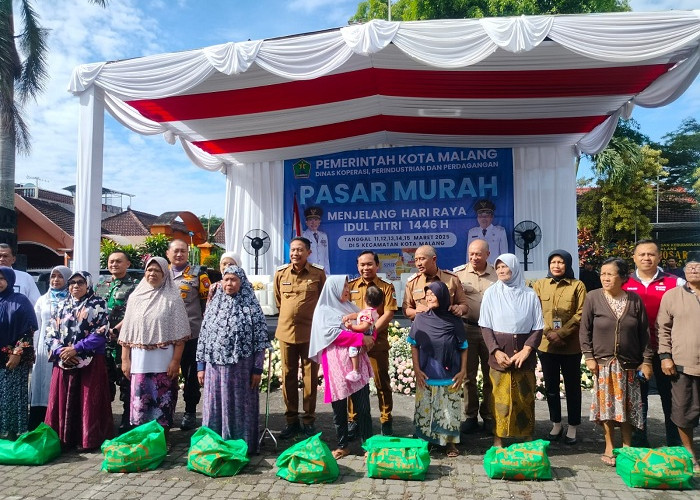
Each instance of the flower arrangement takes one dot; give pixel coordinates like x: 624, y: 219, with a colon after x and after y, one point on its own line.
x: 257, y: 285
x: 401, y: 374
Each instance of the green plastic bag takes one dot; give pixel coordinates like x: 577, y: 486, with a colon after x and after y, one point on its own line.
x: 669, y: 468
x: 520, y: 461
x: 397, y: 458
x: 142, y: 448
x: 210, y: 454
x: 309, y: 461
x: 35, y: 447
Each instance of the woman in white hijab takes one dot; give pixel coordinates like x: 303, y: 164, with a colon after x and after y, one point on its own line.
x: 45, y: 307
x: 153, y: 337
x: 329, y: 346
x: 511, y: 322
x: 226, y: 260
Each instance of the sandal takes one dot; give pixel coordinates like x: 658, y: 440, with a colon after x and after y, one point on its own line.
x: 452, y: 452
x: 339, y: 453
x: 608, y: 460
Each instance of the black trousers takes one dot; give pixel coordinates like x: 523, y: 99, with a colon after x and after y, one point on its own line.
x: 188, y: 366
x: 569, y: 365
x: 663, y: 386
x: 360, y: 403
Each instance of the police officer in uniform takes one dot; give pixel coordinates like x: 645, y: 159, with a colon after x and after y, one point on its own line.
x: 319, y: 239
x: 367, y: 266
x: 297, y: 289
x: 115, y: 290
x: 428, y: 271
x: 476, y: 276
x: 495, y: 235
x: 193, y: 283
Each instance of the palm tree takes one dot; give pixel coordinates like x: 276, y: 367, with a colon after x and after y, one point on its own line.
x: 20, y: 81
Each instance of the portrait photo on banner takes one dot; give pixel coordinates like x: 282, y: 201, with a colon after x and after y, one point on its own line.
x: 393, y: 200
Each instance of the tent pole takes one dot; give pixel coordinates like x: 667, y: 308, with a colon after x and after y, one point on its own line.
x: 88, y: 182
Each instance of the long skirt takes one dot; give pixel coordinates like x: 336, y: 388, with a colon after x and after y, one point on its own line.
x: 80, y: 407
x: 153, y: 397
x: 617, y: 396
x: 438, y: 414
x: 231, y: 407
x: 513, y: 402
x: 14, y: 397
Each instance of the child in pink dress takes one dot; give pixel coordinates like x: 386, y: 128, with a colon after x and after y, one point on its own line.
x: 365, y: 321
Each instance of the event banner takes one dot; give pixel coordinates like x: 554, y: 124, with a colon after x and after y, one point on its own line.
x: 393, y: 200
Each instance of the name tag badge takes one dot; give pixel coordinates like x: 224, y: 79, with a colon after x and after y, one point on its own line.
x: 556, y: 323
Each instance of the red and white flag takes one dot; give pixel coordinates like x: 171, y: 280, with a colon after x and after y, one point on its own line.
x: 296, y: 219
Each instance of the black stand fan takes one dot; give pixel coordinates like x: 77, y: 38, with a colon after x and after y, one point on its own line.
x: 256, y: 242
x: 527, y: 235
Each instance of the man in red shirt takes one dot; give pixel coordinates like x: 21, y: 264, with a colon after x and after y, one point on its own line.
x: 650, y: 282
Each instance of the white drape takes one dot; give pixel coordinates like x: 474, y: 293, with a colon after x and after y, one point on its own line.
x: 545, y: 192
x: 255, y: 188
x: 254, y: 197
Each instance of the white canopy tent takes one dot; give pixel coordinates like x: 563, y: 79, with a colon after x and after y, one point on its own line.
x: 550, y: 87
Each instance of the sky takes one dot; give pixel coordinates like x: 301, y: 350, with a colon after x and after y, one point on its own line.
x: 158, y: 174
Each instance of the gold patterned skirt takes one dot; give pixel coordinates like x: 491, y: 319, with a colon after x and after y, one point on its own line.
x: 513, y: 402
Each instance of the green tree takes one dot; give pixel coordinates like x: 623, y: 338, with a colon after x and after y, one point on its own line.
x: 22, y: 78
x: 616, y: 209
x: 211, y: 224
x: 412, y: 10
x: 682, y: 149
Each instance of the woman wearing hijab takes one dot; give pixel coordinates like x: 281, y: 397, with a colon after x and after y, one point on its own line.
x: 45, y: 308
x: 227, y: 259
x: 17, y: 327
x: 80, y: 407
x: 230, y: 354
x: 561, y: 296
x: 152, y: 337
x: 511, y: 323
x: 614, y: 338
x: 329, y: 346
x: 439, y: 350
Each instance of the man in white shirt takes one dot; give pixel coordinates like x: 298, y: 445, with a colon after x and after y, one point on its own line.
x: 494, y: 234
x: 25, y: 283
x: 319, y: 239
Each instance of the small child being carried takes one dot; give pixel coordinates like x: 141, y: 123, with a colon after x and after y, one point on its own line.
x: 366, y: 319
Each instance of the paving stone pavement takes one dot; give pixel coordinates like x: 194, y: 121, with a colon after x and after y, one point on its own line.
x: 577, y: 470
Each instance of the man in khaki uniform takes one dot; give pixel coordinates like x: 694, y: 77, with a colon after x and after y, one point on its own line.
x: 476, y: 276
x: 367, y: 266
x: 414, y: 298
x: 297, y: 289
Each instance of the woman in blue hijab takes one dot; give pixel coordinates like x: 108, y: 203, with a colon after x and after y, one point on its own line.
x: 439, y: 350
x: 17, y: 327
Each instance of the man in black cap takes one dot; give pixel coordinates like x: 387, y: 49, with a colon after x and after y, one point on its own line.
x: 318, y: 239
x: 495, y: 235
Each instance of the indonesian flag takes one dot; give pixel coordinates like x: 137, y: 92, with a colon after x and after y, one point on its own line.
x: 296, y: 219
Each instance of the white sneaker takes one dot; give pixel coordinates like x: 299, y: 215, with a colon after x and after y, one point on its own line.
x: 353, y: 376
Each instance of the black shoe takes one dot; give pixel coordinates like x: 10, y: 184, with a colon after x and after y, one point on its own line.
x: 290, y: 431
x: 352, y: 430
x: 555, y: 437
x: 309, y: 430
x: 469, y: 426
x: 189, y: 421
x: 488, y: 427
x: 570, y: 441
x: 640, y: 439
x: 387, y: 429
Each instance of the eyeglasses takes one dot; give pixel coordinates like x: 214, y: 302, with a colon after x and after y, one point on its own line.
x: 692, y: 269
x: 77, y: 283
